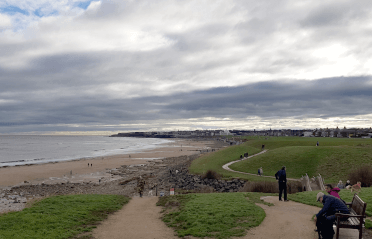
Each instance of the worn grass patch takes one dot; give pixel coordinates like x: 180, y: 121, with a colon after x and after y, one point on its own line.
x: 59, y: 216
x: 309, y: 198
x: 217, y: 215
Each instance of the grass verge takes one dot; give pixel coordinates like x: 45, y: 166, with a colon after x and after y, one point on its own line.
x: 217, y: 215
x: 59, y: 216
x: 309, y: 198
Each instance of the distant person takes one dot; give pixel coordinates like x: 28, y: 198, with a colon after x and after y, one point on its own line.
x: 141, y: 185
x: 88, y: 164
x: 281, y: 176
x: 340, y: 185
x: 91, y: 165
x: 261, y: 171
x: 263, y: 147
x: 317, y: 143
x: 348, y: 184
x: 326, y: 216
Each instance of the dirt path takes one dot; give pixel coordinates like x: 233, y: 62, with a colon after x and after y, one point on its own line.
x: 139, y: 219
x: 226, y: 167
x: 289, y: 220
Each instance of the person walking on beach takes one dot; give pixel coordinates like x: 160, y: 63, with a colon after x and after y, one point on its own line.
x: 281, y: 176
x: 141, y: 185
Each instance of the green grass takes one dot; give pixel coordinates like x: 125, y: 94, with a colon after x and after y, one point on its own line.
x: 279, y: 142
x: 334, y: 159
x: 334, y: 163
x: 59, y: 216
x: 309, y: 198
x: 217, y: 215
x: 214, y: 161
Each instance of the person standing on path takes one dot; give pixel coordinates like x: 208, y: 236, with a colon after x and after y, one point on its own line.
x: 281, y: 176
x: 141, y: 185
x: 261, y: 171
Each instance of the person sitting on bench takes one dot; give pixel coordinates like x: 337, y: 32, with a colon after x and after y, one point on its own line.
x: 326, y: 216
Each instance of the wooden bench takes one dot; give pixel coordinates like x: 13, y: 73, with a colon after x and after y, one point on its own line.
x: 355, y: 219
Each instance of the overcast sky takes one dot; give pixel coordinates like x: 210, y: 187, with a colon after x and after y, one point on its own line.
x: 125, y: 65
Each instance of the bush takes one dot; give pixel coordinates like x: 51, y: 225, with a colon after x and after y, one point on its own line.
x: 271, y: 187
x: 210, y: 174
x: 363, y: 175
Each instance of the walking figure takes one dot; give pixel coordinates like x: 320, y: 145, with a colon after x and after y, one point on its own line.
x: 317, y: 143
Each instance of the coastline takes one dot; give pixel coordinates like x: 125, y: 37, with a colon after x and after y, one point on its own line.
x: 79, y: 171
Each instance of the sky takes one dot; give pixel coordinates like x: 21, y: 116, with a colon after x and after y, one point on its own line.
x: 144, y: 65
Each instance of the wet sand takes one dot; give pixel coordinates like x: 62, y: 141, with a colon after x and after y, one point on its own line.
x: 40, y: 173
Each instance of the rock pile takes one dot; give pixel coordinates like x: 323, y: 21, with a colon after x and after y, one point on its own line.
x: 179, y: 177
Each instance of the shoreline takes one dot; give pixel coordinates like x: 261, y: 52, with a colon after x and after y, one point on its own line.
x: 94, y: 168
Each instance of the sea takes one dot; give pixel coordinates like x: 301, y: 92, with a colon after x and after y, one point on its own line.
x: 37, y: 149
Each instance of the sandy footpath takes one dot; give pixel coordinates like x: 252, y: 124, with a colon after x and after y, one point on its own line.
x: 40, y: 173
x: 285, y: 220
x: 139, y: 219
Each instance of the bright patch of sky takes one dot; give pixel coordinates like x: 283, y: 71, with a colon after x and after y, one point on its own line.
x: 24, y: 13
x: 12, y: 10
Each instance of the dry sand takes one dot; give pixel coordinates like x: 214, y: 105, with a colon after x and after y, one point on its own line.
x: 55, y: 172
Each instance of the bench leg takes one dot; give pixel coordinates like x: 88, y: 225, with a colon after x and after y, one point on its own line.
x: 337, y: 232
x: 360, y: 233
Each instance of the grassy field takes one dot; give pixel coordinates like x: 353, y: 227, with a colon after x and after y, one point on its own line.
x: 334, y: 163
x: 217, y: 215
x: 310, y: 199
x: 214, y: 161
x: 59, y: 216
x: 334, y: 159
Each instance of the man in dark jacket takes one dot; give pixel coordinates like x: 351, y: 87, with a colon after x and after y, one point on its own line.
x: 281, y: 176
x: 326, y: 217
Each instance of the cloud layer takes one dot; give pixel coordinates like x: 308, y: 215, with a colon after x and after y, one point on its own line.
x: 145, y: 65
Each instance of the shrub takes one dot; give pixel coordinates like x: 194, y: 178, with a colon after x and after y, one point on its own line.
x: 271, y: 187
x: 210, y: 174
x: 363, y: 175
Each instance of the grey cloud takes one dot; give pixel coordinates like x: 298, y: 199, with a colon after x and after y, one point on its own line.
x: 332, y: 97
x: 336, y: 13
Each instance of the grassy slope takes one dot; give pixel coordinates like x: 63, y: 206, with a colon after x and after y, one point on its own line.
x: 310, y: 199
x: 217, y: 215
x: 59, y: 217
x: 334, y: 163
x: 214, y: 161
x: 334, y: 159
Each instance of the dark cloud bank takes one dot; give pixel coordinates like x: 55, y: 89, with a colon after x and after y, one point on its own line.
x: 300, y: 99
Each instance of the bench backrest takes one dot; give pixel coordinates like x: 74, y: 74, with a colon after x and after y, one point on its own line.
x: 358, y: 206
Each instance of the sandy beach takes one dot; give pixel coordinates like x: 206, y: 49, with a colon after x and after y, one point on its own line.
x: 79, y: 170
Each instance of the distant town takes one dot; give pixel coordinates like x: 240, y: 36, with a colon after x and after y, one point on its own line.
x: 327, y: 132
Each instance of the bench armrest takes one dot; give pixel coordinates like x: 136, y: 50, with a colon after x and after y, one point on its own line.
x: 348, y: 203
